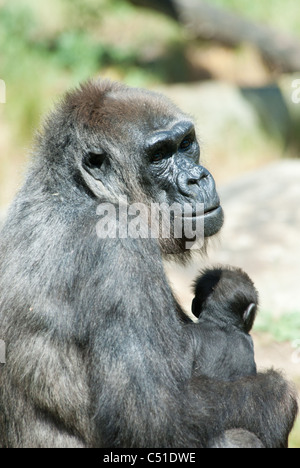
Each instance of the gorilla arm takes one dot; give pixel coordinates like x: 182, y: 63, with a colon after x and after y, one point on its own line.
x: 252, y: 403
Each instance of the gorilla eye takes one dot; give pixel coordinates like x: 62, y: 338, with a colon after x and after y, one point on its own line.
x: 186, y: 143
x: 157, y: 157
x: 161, y: 152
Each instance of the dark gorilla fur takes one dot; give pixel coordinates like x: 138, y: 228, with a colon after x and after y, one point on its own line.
x: 98, y: 351
x: 226, y: 303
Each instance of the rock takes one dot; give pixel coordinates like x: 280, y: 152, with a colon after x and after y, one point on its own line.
x: 216, y: 106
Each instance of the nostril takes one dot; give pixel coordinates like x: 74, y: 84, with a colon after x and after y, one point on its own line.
x: 193, y: 181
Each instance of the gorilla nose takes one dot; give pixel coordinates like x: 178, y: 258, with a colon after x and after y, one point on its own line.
x: 189, y: 181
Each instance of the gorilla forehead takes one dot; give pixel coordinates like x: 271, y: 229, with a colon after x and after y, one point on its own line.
x: 105, y: 105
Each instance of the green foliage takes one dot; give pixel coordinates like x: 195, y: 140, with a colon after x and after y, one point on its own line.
x: 275, y: 13
x: 75, y: 51
x: 294, y: 440
x: 286, y: 327
x: 48, y: 47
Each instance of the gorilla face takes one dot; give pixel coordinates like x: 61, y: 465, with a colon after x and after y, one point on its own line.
x: 174, y: 155
x: 138, y: 143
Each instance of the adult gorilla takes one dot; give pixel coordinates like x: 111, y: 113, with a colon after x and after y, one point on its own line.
x: 98, y: 351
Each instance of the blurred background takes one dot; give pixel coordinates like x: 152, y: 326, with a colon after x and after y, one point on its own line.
x: 232, y: 65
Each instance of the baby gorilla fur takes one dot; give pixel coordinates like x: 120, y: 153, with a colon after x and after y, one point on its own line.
x: 226, y: 303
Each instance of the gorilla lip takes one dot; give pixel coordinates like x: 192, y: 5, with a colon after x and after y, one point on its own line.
x: 214, y: 210
x: 207, y: 212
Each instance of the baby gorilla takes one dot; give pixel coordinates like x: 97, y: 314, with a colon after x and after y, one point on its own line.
x: 226, y: 303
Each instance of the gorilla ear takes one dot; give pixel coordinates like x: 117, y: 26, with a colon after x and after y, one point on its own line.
x: 249, y: 316
x: 94, y: 163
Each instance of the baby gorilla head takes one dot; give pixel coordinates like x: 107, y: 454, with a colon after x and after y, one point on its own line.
x: 228, y: 294
x: 226, y: 303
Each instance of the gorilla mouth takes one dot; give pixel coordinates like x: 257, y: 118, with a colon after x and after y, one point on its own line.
x: 213, y: 211
x: 207, y: 212
x: 212, y: 217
